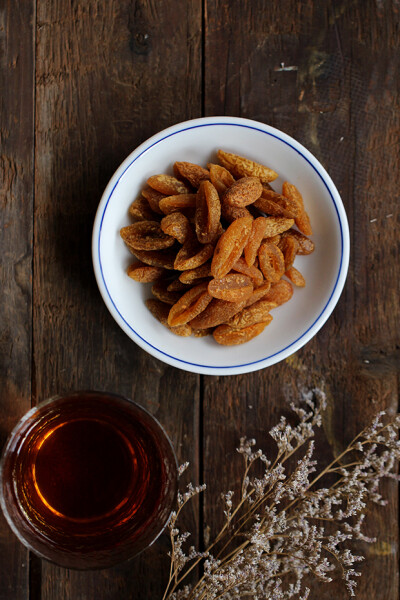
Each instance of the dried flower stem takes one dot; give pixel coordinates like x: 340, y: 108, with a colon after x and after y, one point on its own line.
x: 269, y: 540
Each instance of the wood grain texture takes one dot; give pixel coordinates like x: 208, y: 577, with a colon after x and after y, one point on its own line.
x: 107, y: 77
x: 322, y: 72
x: 16, y: 196
x: 108, y: 74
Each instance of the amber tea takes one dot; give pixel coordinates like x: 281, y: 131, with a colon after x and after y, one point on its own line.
x: 88, y: 479
x: 84, y: 470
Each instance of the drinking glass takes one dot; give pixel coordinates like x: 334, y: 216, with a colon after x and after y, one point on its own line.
x: 88, y: 479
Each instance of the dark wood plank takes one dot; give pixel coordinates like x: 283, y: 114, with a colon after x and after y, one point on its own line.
x: 109, y: 74
x: 16, y: 197
x: 340, y: 98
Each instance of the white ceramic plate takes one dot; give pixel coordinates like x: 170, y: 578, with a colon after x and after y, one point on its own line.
x: 294, y: 323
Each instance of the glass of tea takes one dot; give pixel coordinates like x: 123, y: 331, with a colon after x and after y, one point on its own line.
x: 88, y: 479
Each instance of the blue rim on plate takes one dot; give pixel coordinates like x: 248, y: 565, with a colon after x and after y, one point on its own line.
x: 267, y: 130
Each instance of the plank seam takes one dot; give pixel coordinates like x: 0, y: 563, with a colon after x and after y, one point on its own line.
x: 34, y: 563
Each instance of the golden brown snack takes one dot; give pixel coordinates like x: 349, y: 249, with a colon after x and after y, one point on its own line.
x: 306, y: 246
x: 188, y: 277
x: 153, y: 198
x: 280, y: 292
x: 140, y: 210
x: 286, y: 207
x: 220, y: 178
x: 176, y: 286
x: 231, y: 213
x: 255, y: 274
x: 272, y: 262
x: 256, y: 313
x: 185, y: 203
x: 275, y: 239
x: 156, y: 258
x: 217, y: 312
x: 302, y: 219
x: 257, y: 233
x: 244, y: 167
x: 295, y: 277
x: 272, y: 209
x: 195, y: 174
x: 230, y: 246
x: 143, y: 273
x: 166, y: 184
x: 276, y: 225
x: 192, y: 255
x: 234, y: 287
x: 208, y: 213
x: 177, y: 226
x: 258, y: 293
x: 228, y: 336
x: 146, y: 235
x: 189, y: 305
x: 289, y: 247
x: 243, y: 192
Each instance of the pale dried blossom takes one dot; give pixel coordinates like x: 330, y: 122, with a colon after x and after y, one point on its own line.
x: 188, y: 495
x: 182, y: 468
x: 284, y: 527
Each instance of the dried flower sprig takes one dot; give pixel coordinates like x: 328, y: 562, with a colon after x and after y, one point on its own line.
x: 284, y: 527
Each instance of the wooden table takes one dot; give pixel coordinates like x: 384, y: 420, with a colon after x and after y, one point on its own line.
x: 84, y: 82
